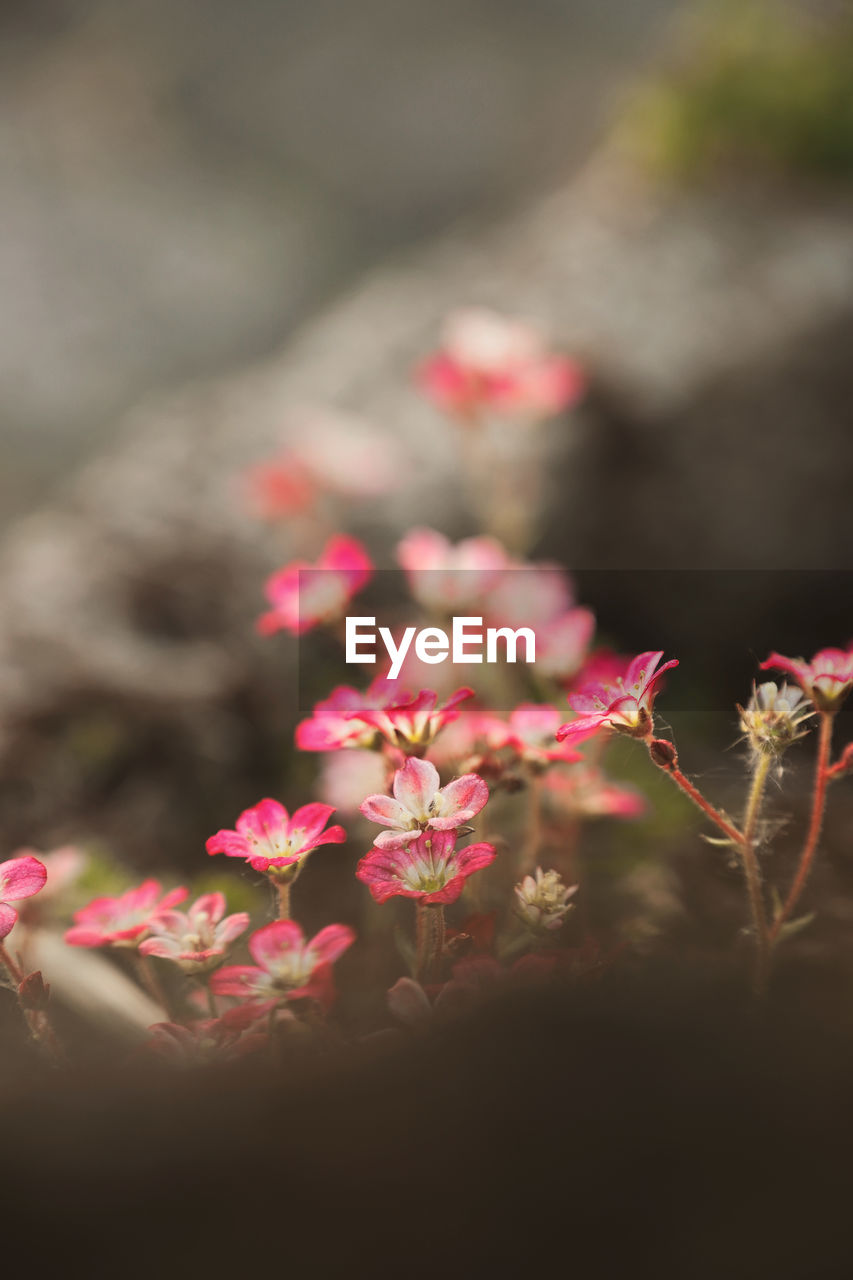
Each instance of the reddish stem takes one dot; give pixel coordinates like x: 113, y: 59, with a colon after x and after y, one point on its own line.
x: 822, y: 775
x: 668, y: 761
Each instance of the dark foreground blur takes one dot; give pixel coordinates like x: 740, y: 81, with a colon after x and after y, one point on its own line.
x: 657, y: 1128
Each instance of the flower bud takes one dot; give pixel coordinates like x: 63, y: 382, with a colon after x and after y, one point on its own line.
x: 543, y: 900
x: 774, y: 717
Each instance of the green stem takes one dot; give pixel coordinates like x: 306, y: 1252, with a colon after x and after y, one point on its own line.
x: 752, y: 869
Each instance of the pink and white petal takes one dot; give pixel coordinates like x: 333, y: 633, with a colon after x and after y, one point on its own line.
x: 141, y: 897
x: 211, y: 905
x: 386, y: 811
x: 474, y: 857
x: 331, y: 942
x: 173, y: 897
x: 310, y: 819
x: 174, y: 922
x: 332, y: 835
x: 582, y: 727
x: 21, y: 878
x: 230, y: 843
x: 464, y: 797
x: 236, y: 980
x: 81, y: 935
x: 231, y: 927
x: 264, y: 821
x: 415, y: 786
x: 395, y: 839
x: 168, y: 948
x: 267, y: 945
x: 8, y: 916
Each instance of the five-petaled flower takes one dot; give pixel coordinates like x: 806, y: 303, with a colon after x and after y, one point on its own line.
x: 123, y: 921
x: 338, y: 720
x: 420, y: 803
x: 304, y: 595
x: 827, y: 679
x: 490, y: 363
x: 411, y: 725
x: 624, y: 703
x: 450, y: 577
x: 429, y: 868
x: 531, y: 733
x: 198, y: 938
x: 271, y: 840
x: 286, y: 966
x: 19, y: 878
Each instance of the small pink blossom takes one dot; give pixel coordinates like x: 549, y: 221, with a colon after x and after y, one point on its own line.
x: 280, y: 488
x: 429, y: 868
x: 286, y: 966
x: 530, y: 595
x: 827, y: 679
x: 19, y: 878
x: 532, y: 729
x: 270, y: 839
x: 471, y: 743
x: 196, y: 939
x: 585, y: 792
x: 488, y: 363
x: 412, y: 724
x: 338, y: 721
x: 123, y: 921
x: 420, y: 803
x: 303, y: 595
x: 450, y: 577
x: 562, y: 644
x: 625, y: 704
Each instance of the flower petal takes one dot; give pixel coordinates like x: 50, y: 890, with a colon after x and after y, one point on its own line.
x: 8, y: 916
x: 464, y: 797
x: 415, y: 786
x: 236, y: 980
x: 385, y: 811
x: 267, y: 945
x: 21, y: 878
x: 331, y: 942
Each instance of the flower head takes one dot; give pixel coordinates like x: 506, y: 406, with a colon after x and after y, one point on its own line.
x: 543, y: 900
x: 489, y: 363
x: 624, y: 703
x: 123, y: 921
x: 286, y: 966
x: 339, y: 722
x: 271, y: 840
x: 827, y: 679
x: 19, y: 878
x: 532, y: 734
x: 775, y: 717
x: 412, y: 724
x: 420, y: 803
x: 198, y: 938
x: 447, y: 577
x: 304, y: 595
x: 429, y: 868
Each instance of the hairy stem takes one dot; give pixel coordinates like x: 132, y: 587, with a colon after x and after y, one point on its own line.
x: 282, y: 889
x: 430, y: 940
x: 664, y: 755
x: 809, y: 849
x: 751, y: 867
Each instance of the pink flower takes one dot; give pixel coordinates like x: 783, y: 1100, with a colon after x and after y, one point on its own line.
x: 420, y: 803
x: 625, y: 703
x: 532, y: 729
x: 585, y: 792
x: 337, y: 721
x: 489, y: 363
x: 429, y: 868
x: 562, y: 645
x: 198, y: 938
x: 287, y: 967
x: 447, y: 577
x: 473, y: 740
x: 123, y: 921
x: 304, y: 595
x: 280, y: 488
x: 345, y: 454
x: 19, y: 878
x: 827, y: 679
x: 530, y: 595
x: 269, y: 839
x: 412, y: 725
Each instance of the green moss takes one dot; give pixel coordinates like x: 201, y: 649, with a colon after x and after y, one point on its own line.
x: 759, y: 86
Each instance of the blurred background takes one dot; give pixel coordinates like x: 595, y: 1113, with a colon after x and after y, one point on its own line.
x: 214, y: 215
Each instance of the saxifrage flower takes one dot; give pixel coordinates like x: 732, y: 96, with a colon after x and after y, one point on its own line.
x: 19, y: 878
x: 271, y: 840
x: 286, y: 966
x: 303, y: 595
x: 429, y: 868
x: 196, y: 939
x: 420, y: 803
x: 624, y: 703
x: 827, y: 679
x: 122, y: 921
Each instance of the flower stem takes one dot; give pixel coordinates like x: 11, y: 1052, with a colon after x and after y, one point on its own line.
x: 666, y: 758
x: 534, y: 826
x: 14, y: 972
x: 822, y: 771
x: 430, y: 940
x: 282, y: 889
x: 751, y: 867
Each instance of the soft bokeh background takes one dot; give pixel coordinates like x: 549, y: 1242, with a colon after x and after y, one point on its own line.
x: 213, y: 213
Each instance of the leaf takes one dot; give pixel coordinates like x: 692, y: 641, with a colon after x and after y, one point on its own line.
x: 792, y: 927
